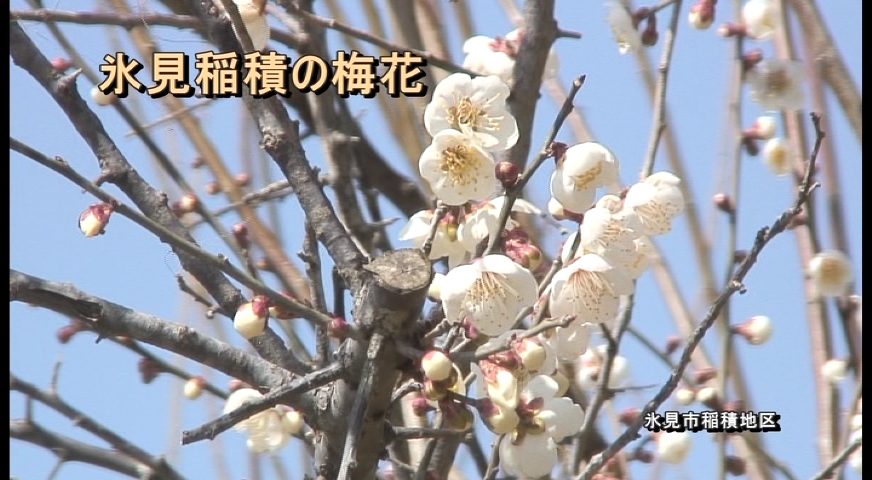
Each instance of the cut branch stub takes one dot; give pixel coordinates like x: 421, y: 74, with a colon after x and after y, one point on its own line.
x: 388, y: 305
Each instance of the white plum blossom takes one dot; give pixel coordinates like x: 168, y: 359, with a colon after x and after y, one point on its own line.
x: 657, y: 200
x: 831, y: 273
x: 765, y: 127
x: 457, y: 168
x: 609, y: 234
x: 776, y: 84
x: 673, y: 447
x: 484, y: 219
x: 496, y: 56
x: 623, y: 27
x: 778, y: 156
x: 489, y: 293
x: 761, y: 18
x: 497, y: 383
x: 589, y: 288
x: 545, y: 419
x: 552, y: 63
x: 583, y: 168
x: 570, y: 341
x: 590, y: 365
x: 266, y: 431
x: 445, y: 242
x: 488, y: 56
x: 474, y: 106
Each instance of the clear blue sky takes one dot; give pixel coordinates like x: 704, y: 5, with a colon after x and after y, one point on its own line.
x: 130, y: 267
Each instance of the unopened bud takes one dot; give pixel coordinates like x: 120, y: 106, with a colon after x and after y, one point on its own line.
x: 685, y: 396
x: 702, y: 15
x: 756, y: 330
x: 149, y: 369
x: 765, y: 127
x: 420, y: 406
x: 739, y: 256
x: 531, y: 352
x: 250, y: 319
x: 263, y: 263
x: 629, y: 415
x: 237, y: 384
x: 703, y: 375
x: 66, y: 333
x: 61, y: 64
x: 557, y: 150
x: 197, y: 162
x: 729, y: 30
x: 337, y: 328
x: 643, y: 456
x: 103, y: 99
x: 212, y: 188
x: 499, y: 419
x: 735, y: 466
x: 752, y: 58
x: 242, y: 179
x: 240, y: 234
x: 436, y: 365
x: 724, y: 203
x: 708, y: 396
x: 672, y: 344
x: 749, y: 143
x: 292, y: 422
x: 194, y: 387
x: 834, y: 370
x: 507, y: 174
x: 650, y: 35
x: 187, y: 204
x: 93, y: 220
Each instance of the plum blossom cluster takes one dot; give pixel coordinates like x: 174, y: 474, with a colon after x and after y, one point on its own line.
x: 486, y: 296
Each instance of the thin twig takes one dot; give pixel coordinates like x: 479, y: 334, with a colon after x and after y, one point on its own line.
x: 838, y: 460
x: 764, y: 236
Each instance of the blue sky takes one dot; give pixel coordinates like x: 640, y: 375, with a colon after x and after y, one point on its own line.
x: 130, y: 267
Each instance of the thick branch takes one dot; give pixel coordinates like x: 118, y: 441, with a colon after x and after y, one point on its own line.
x: 71, y: 450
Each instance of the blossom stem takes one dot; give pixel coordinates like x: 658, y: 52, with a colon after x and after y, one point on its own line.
x: 513, y: 193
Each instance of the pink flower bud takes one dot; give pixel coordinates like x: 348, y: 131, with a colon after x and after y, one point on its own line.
x: 420, y: 406
x: 61, y: 64
x: 436, y: 365
x: 149, y: 369
x: 703, y: 375
x: 194, y: 387
x: 242, y: 179
x: 507, y: 174
x: 724, y: 203
x: 212, y: 188
x: 240, y: 233
x: 702, y: 15
x: 93, y: 220
x: 629, y: 415
x: 337, y: 328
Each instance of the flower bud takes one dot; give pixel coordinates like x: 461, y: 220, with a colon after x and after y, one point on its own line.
x: 672, y: 344
x: 103, y: 99
x: 500, y: 420
x: 337, y: 328
x: 420, y: 406
x: 434, y: 391
x: 708, y: 396
x: 650, y: 35
x: 703, y: 375
x: 702, y: 15
x: 436, y: 365
x: 685, y: 396
x: 765, y: 127
x: 724, y: 203
x: 149, y: 369
x: 831, y: 272
x: 752, y: 58
x: 629, y: 415
x: 459, y: 419
x: 834, y: 370
x: 66, y: 333
x: 187, y: 204
x: 242, y: 179
x: 250, y: 319
x: 673, y: 447
x: 61, y: 64
x: 292, y: 422
x: 93, y: 220
x: 194, y: 387
x: 240, y: 234
x: 643, y: 456
x: 213, y: 188
x: 735, y: 466
x: 507, y: 174
x: 531, y: 352
x: 729, y: 30
x: 756, y: 330
x: 237, y: 384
